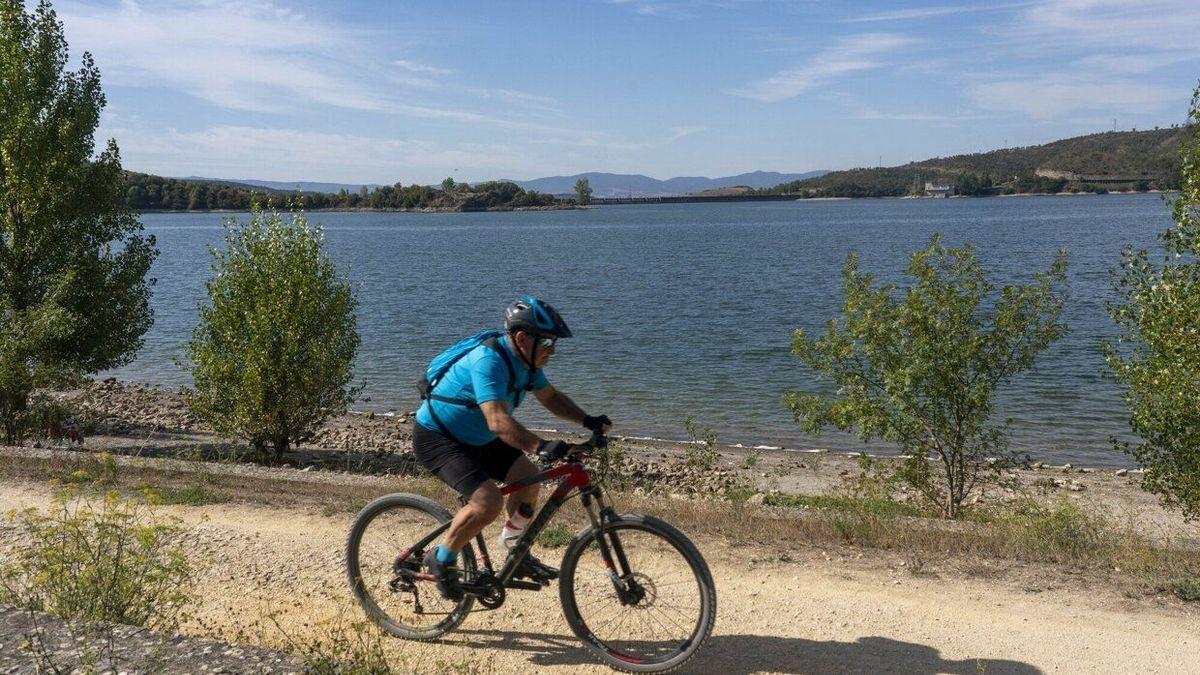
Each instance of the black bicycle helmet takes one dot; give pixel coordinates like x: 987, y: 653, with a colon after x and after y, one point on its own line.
x: 534, y: 316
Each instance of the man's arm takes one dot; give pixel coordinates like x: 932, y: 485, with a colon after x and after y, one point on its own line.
x: 559, y: 404
x: 501, y: 422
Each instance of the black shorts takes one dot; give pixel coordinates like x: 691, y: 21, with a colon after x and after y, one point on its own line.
x: 462, y: 467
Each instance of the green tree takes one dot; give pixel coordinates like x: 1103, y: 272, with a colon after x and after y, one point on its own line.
x: 271, y: 357
x: 74, y: 298
x: 920, y: 368
x: 583, y: 192
x: 448, y: 185
x: 1156, y: 358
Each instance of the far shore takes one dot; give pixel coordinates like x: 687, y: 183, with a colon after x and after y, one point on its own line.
x: 577, y: 207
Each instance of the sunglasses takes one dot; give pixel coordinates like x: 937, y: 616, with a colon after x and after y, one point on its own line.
x: 547, y: 342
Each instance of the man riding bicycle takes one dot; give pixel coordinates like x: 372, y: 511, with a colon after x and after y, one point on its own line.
x: 466, y: 435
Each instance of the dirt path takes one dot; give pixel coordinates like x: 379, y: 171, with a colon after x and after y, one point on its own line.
x: 815, y: 613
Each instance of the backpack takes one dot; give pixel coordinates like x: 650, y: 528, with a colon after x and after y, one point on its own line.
x: 441, y: 364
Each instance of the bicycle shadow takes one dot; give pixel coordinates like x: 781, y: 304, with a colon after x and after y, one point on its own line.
x: 746, y: 654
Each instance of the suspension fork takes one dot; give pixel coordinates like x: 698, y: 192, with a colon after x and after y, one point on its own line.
x: 610, y: 547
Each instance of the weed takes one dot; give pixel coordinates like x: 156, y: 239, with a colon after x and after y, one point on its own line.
x: 555, y: 536
x: 88, y: 471
x: 342, y: 647
x: 329, y: 511
x: 109, y: 561
x: 876, y: 480
x: 753, y: 459
x: 608, y: 467
x: 1185, y: 589
x: 701, y: 452
x: 1044, y: 485
x: 739, y: 495
x: 887, y: 508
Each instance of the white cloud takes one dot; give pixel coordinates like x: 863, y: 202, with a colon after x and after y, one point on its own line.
x: 1152, y: 24
x: 258, y: 56
x: 931, y: 12
x: 1134, y: 64
x: 238, y: 54
x: 872, y: 114
x: 679, y: 132
x: 1051, y: 96
x: 292, y: 154
x: 420, y: 68
x: 849, y: 55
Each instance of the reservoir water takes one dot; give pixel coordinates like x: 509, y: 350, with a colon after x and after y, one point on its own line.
x: 688, y: 309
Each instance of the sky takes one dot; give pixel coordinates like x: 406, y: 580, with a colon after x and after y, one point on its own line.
x: 386, y: 91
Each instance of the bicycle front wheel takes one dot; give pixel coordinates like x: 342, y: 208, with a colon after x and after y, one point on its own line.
x: 668, y: 603
x: 379, y: 572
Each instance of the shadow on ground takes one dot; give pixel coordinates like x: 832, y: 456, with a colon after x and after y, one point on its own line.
x: 745, y: 654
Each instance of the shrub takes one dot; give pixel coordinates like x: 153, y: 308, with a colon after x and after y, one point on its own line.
x: 271, y: 357
x: 920, y: 370
x: 111, y: 562
x: 1157, y: 356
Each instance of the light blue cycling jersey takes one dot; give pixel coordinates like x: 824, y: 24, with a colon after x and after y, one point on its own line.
x: 479, y: 376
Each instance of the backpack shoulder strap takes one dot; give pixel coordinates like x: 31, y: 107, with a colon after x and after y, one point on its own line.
x: 494, y: 344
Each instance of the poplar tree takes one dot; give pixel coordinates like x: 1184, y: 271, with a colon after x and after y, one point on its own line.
x: 1156, y: 358
x: 74, y: 298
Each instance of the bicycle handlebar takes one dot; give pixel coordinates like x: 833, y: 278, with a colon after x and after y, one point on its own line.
x: 579, y: 451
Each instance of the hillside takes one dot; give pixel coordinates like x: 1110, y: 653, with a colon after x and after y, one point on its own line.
x: 285, y: 186
x: 1147, y: 159
x: 637, y: 185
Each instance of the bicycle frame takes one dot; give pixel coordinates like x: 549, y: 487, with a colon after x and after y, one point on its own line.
x: 573, y: 480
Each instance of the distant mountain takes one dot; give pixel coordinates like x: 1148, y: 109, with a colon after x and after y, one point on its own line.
x: 285, y: 186
x: 622, y: 185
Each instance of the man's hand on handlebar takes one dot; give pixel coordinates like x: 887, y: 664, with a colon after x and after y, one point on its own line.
x: 598, y: 423
x: 552, y: 451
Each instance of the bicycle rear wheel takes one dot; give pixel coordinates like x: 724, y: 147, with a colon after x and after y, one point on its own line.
x: 671, y: 611
x: 404, y: 607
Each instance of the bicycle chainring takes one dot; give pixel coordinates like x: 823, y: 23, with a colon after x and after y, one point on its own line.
x: 494, y: 597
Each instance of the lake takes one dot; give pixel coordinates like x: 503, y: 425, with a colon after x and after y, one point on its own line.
x: 688, y: 309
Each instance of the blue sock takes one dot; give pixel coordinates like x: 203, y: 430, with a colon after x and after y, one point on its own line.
x: 445, y: 555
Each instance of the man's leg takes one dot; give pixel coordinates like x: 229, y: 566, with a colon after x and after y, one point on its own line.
x: 481, y: 509
x: 520, y: 510
x: 521, y: 468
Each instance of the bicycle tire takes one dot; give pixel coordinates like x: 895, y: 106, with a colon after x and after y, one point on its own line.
x: 368, y: 514
x: 706, y: 590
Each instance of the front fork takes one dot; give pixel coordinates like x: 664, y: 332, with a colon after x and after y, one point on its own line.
x: 611, y: 551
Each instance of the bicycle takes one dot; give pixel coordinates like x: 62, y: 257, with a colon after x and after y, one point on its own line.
x: 639, y: 573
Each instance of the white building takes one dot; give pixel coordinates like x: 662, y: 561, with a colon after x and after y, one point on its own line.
x: 940, y: 191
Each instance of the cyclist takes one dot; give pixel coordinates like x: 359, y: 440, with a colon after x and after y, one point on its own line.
x: 465, y: 433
